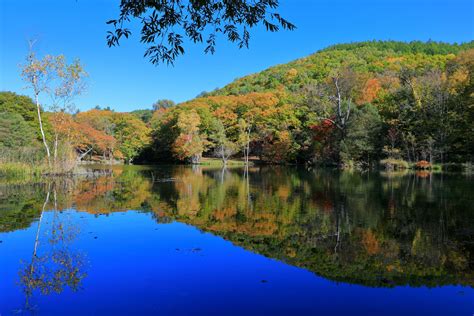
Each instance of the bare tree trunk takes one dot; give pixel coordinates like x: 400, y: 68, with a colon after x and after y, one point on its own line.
x: 247, y: 186
x: 338, y: 232
x: 83, y: 154
x: 48, y: 154
x: 247, y: 146
x: 415, y: 93
x: 224, y: 167
x: 341, y: 118
x: 55, y: 155
x: 30, y: 285
x: 39, y: 223
x: 195, y: 159
x: 247, y: 153
x: 223, y: 156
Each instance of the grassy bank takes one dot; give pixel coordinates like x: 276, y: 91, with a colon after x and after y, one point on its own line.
x: 218, y: 162
x: 20, y: 171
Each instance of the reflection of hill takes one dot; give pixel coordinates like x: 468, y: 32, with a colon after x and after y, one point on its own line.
x: 368, y: 229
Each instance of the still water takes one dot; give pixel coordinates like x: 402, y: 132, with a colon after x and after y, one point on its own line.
x: 264, y: 241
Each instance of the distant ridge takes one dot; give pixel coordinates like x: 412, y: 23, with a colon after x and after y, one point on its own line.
x: 369, y: 56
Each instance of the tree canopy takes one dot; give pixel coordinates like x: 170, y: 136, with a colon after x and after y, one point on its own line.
x: 349, y: 104
x: 166, y: 24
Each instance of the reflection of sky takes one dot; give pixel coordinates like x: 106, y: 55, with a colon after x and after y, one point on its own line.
x: 134, y: 268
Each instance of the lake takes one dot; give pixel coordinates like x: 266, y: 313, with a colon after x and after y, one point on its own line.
x: 198, y: 240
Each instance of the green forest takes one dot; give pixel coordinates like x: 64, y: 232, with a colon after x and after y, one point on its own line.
x: 361, y: 105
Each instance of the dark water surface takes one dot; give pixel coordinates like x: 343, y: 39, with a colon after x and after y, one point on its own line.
x: 267, y: 241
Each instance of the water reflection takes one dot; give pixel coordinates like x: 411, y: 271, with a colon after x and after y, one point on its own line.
x: 380, y: 230
x: 54, y: 264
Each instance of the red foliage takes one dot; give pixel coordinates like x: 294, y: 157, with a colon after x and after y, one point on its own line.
x: 322, y: 131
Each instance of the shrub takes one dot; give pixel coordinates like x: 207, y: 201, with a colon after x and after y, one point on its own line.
x: 422, y: 165
x: 394, y: 164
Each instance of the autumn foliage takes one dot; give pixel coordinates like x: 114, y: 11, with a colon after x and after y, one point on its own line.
x: 104, y: 133
x: 351, y: 105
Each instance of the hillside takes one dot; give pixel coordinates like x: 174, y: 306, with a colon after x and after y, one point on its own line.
x: 349, y: 105
x: 373, y: 58
x: 398, y: 101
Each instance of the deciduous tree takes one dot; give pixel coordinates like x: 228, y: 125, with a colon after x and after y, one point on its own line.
x: 165, y: 23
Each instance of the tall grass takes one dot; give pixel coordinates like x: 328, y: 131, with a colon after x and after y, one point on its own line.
x: 20, y: 171
x: 30, y: 162
x: 21, y: 164
x: 214, y: 162
x: 28, y: 155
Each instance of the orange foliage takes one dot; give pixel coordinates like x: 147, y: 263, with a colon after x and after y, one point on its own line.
x: 87, y: 192
x: 224, y: 213
x: 283, y: 192
x: 395, y: 59
x: 423, y: 164
x: 226, y: 115
x: 98, y: 119
x: 370, y: 242
x: 423, y: 174
x: 370, y: 91
x: 80, y: 134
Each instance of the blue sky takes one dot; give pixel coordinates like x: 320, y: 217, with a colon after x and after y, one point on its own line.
x: 122, y: 79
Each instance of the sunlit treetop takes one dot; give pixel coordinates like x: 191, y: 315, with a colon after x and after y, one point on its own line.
x: 166, y: 23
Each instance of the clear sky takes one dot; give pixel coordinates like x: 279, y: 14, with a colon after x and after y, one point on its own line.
x: 122, y: 79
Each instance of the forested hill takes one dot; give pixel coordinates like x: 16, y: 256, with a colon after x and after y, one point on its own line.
x: 347, y: 105
x: 350, y: 105
x: 372, y: 58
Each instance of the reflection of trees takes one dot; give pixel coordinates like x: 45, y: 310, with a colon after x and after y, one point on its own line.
x: 363, y: 229
x: 54, y: 265
x: 20, y: 206
x: 121, y: 191
x: 368, y: 229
